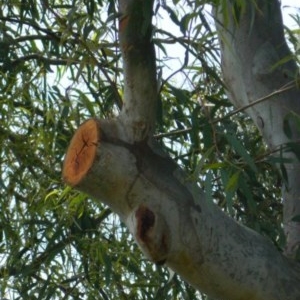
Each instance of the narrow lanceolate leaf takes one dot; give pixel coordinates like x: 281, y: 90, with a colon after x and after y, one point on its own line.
x: 230, y: 184
x: 296, y: 218
x: 240, y: 149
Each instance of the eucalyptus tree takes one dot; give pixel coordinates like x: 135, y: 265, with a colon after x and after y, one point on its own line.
x: 201, y: 168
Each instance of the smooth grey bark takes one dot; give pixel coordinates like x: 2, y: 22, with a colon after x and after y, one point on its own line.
x: 170, y: 217
x: 257, y: 62
x: 173, y: 222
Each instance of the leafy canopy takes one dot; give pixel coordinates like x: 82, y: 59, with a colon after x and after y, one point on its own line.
x: 60, y: 64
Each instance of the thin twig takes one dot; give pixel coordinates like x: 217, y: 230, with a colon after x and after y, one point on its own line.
x: 283, y: 89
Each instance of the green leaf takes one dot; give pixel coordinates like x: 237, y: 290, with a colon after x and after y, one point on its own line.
x: 172, y: 15
x: 296, y: 218
x: 181, y: 95
x: 232, y: 183
x: 246, y: 191
x: 239, y: 148
x: 229, y: 192
x: 215, y: 166
x: 278, y: 160
x: 291, y: 124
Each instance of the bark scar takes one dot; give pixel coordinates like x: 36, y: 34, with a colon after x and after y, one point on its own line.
x: 146, y: 220
x: 152, y: 234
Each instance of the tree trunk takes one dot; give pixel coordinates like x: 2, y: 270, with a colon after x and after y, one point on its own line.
x: 117, y: 162
x: 256, y: 63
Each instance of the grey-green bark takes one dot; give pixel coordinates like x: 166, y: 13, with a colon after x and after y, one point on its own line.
x: 256, y: 62
x: 173, y: 223
x: 170, y: 217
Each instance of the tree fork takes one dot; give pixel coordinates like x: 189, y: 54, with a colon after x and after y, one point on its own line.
x: 113, y: 171
x: 171, y: 220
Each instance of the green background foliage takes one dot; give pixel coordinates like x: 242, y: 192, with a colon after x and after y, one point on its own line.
x: 60, y: 65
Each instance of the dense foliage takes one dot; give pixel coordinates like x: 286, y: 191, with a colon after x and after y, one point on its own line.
x: 60, y: 65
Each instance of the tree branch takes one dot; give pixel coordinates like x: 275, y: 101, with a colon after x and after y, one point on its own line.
x: 289, y: 86
x: 137, y: 48
x: 173, y: 222
x: 45, y: 60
